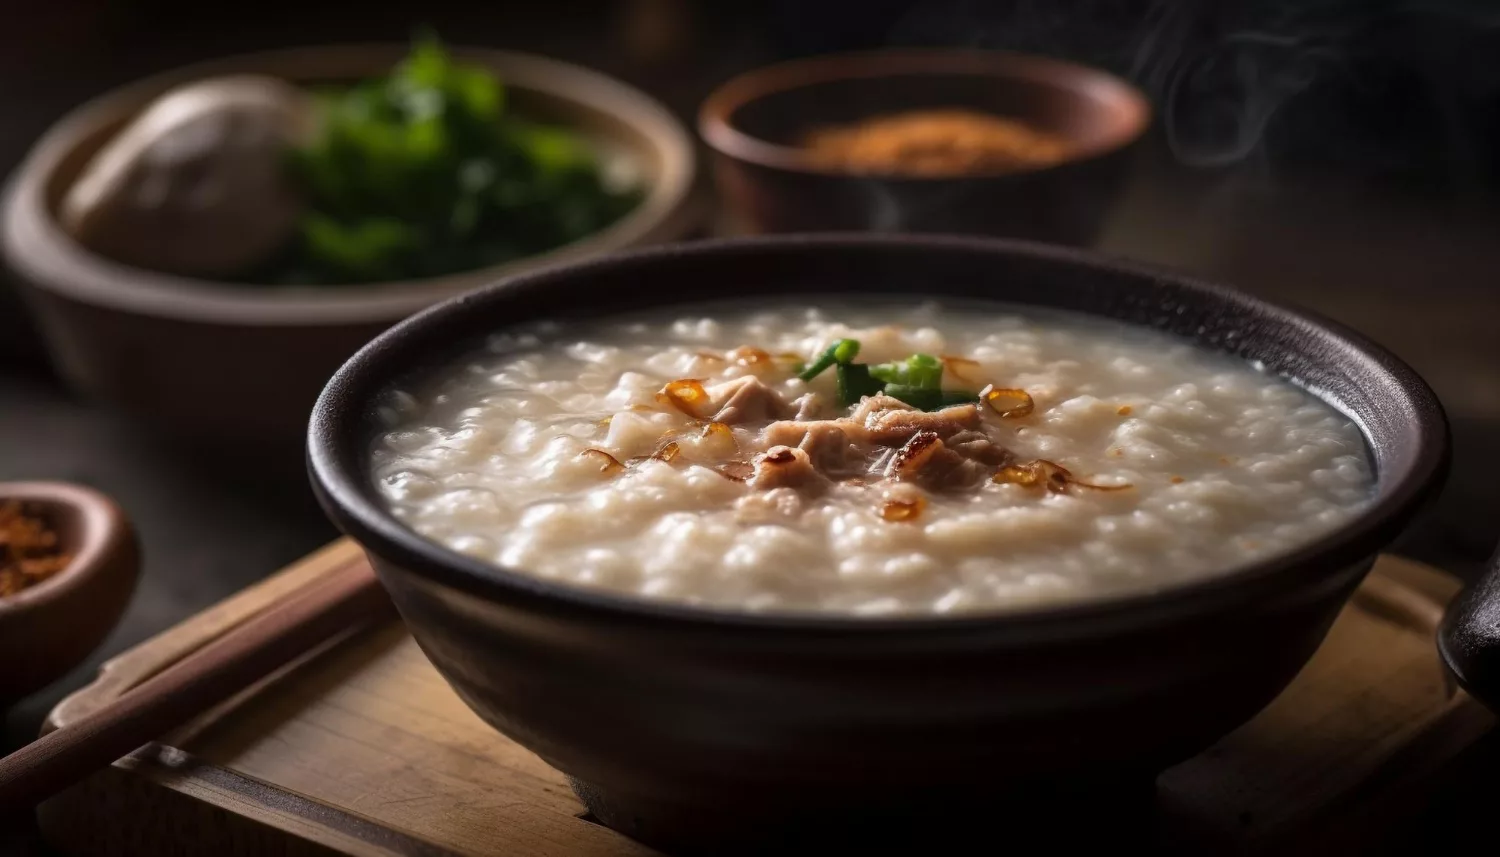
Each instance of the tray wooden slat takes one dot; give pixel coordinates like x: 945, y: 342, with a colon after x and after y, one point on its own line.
x: 363, y: 749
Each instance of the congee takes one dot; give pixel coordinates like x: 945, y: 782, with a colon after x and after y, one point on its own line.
x: 863, y: 459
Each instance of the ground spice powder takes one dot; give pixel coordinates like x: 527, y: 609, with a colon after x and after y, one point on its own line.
x: 29, y: 548
x: 943, y: 142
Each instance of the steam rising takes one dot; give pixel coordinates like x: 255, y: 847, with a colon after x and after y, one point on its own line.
x: 1243, y: 81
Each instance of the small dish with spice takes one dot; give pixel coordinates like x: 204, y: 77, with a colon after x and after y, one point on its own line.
x: 954, y: 141
x: 69, y: 560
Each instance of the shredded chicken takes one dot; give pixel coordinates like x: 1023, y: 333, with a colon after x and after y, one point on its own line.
x: 786, y: 466
x: 826, y: 443
x: 808, y: 406
x: 927, y: 461
x: 745, y: 400
x: 977, y: 446
x: 872, y: 405
x: 892, y: 427
x: 882, y: 438
x: 792, y: 432
x: 867, y: 440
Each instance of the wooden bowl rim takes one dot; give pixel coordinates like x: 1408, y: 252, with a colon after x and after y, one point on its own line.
x: 39, y: 248
x: 1129, y: 106
x: 103, y: 526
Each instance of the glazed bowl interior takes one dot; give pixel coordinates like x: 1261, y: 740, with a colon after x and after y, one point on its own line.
x: 1401, y: 420
x: 630, y: 132
x: 761, y: 117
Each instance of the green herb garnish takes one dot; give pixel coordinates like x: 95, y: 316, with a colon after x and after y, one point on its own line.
x: 918, y: 370
x: 917, y: 380
x: 928, y: 398
x: 425, y: 172
x: 841, y: 352
x: 854, y: 383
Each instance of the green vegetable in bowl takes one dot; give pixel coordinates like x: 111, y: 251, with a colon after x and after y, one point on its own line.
x: 917, y: 380
x: 424, y: 172
x: 854, y: 383
x: 842, y: 352
x: 918, y: 370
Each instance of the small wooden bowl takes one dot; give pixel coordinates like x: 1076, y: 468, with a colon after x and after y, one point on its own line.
x: 49, y: 628
x: 770, y: 183
x: 239, y: 366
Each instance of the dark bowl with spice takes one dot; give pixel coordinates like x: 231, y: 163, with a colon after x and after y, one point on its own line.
x: 68, y: 565
x: 924, y: 141
x: 695, y: 728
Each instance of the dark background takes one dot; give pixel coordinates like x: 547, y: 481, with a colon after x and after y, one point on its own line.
x: 1339, y: 154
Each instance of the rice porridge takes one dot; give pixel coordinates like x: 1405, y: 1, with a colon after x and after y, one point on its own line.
x: 953, y: 460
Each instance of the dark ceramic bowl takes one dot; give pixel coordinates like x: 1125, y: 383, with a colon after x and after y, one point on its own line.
x: 239, y: 366
x: 770, y: 183
x: 692, y: 727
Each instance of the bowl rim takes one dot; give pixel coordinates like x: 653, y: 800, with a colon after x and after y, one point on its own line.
x: 347, y: 497
x: 716, y: 115
x: 101, y: 525
x: 38, y: 248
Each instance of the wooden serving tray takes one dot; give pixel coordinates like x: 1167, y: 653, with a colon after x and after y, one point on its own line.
x: 363, y: 749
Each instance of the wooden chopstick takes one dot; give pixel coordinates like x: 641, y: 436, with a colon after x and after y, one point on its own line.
x: 347, y: 598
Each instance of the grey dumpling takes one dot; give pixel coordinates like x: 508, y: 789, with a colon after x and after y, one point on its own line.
x: 196, y: 184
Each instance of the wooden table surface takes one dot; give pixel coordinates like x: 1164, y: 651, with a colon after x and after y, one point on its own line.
x: 361, y: 747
